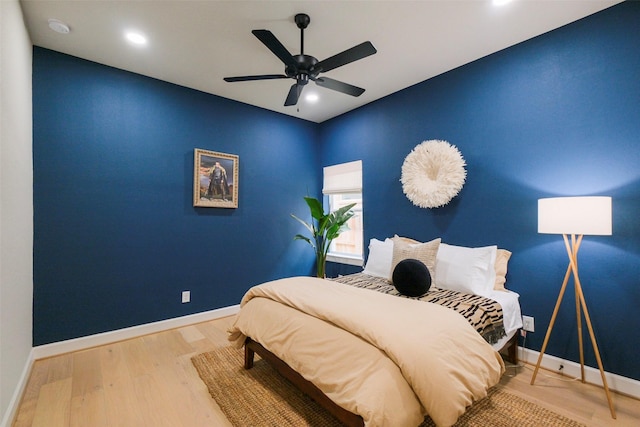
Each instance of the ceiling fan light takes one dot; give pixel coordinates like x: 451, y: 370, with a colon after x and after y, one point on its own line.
x: 58, y: 26
x: 136, y: 38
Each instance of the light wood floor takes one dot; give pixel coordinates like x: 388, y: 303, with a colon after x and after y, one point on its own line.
x: 150, y: 381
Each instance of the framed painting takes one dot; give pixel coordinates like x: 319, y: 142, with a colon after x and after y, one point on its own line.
x: 215, y: 179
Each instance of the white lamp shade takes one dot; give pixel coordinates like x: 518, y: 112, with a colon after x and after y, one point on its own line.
x: 575, y: 215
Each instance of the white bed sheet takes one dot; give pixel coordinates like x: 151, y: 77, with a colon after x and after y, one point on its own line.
x: 503, y: 341
x: 512, y: 316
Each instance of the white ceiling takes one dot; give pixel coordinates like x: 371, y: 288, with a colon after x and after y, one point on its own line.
x: 197, y: 43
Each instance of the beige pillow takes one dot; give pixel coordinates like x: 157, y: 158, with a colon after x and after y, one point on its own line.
x: 424, y: 252
x: 406, y: 239
x: 502, y: 259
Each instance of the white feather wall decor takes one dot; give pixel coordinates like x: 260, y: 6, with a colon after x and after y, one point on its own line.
x: 433, y: 173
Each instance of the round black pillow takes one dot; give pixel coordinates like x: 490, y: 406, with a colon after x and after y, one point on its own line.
x: 411, y: 278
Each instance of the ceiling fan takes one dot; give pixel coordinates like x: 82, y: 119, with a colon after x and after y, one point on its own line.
x: 303, y: 67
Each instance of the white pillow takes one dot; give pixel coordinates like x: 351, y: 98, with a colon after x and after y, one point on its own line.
x: 463, y: 269
x: 379, y: 259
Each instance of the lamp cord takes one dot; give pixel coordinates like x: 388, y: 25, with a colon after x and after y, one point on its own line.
x: 520, y: 364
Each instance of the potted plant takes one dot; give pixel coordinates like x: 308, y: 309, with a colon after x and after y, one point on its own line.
x: 324, y: 227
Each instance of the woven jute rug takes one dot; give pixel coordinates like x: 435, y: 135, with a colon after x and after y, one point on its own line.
x: 261, y: 397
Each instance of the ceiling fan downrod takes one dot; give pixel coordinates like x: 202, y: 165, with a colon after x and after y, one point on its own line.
x: 302, y: 20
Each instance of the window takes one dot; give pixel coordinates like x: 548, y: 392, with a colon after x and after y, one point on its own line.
x: 342, y: 186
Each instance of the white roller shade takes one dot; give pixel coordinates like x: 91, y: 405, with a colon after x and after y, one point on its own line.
x: 343, y: 178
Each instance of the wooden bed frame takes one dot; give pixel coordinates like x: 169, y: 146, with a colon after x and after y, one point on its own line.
x: 349, y: 419
x: 511, y: 349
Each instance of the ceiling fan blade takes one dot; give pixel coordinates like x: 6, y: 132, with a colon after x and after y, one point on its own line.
x: 294, y: 94
x: 339, y: 86
x: 274, y: 45
x: 249, y: 78
x: 350, y: 55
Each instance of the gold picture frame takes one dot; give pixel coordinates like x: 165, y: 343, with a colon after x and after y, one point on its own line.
x: 215, y: 179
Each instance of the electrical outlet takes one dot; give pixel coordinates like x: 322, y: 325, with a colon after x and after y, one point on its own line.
x: 186, y: 296
x: 528, y: 324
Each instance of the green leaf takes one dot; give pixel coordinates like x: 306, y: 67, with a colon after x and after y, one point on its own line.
x: 336, y: 230
x: 345, y: 210
x: 306, y: 239
x: 323, y: 223
x: 317, y: 212
x: 306, y: 224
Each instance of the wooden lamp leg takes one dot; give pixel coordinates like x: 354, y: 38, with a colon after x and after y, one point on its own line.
x: 551, y: 323
x: 572, y: 251
x: 580, y: 296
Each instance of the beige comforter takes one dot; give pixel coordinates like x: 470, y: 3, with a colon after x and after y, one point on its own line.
x: 391, y: 360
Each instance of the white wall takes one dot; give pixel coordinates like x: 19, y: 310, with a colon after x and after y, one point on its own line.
x: 16, y: 205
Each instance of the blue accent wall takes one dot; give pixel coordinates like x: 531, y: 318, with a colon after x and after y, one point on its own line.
x: 558, y: 115
x: 117, y: 238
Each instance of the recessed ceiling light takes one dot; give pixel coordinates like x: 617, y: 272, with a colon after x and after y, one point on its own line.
x: 501, y: 2
x: 58, y: 26
x: 136, y: 38
x: 312, y: 97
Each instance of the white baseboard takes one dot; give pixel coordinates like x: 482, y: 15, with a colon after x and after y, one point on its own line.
x: 57, y: 348
x: 617, y: 383
x: 12, y: 409
x: 82, y: 343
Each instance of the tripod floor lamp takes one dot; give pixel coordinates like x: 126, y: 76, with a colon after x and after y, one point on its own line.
x: 574, y: 217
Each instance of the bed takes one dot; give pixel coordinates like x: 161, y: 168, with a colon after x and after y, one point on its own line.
x: 375, y: 357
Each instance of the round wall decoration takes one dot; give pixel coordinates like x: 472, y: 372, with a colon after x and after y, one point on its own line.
x: 433, y: 173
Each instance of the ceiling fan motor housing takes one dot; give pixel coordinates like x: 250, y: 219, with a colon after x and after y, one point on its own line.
x: 304, y: 68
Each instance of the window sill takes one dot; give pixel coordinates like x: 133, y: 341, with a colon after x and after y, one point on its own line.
x: 345, y: 259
